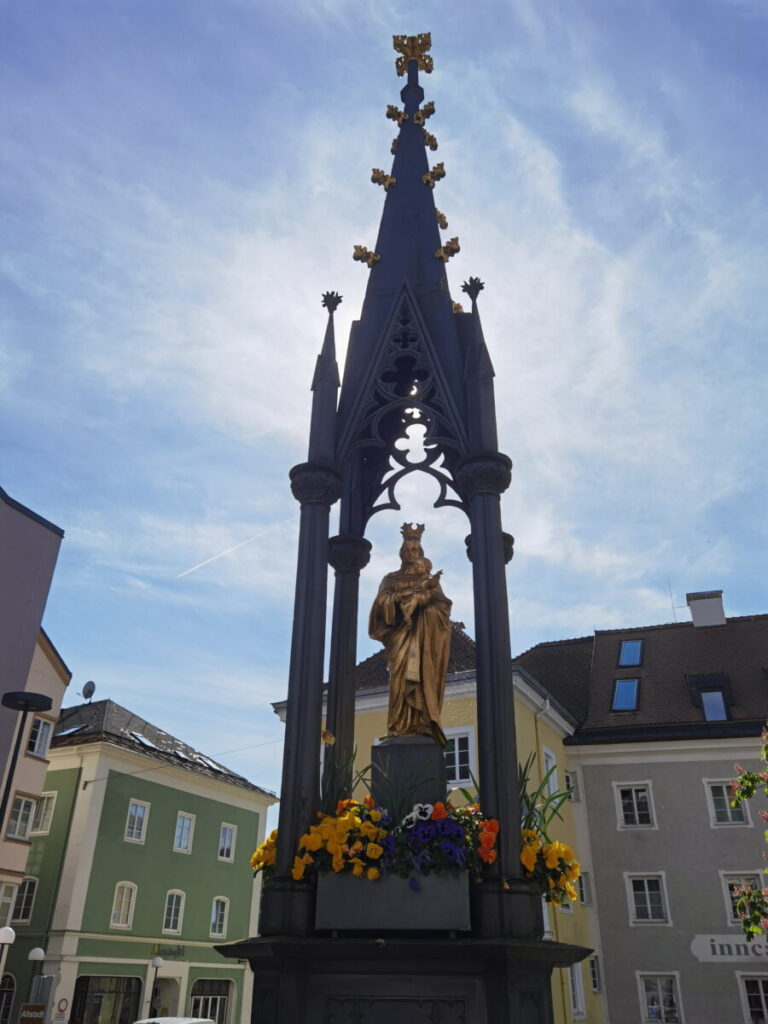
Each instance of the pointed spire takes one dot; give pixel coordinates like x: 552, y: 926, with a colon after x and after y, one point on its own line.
x: 478, y: 375
x: 409, y: 245
x: 325, y: 384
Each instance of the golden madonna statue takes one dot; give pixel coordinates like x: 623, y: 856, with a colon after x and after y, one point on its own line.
x: 410, y: 616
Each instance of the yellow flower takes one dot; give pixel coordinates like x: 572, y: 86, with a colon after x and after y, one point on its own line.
x: 570, y: 890
x: 299, y: 867
x: 375, y: 815
x: 530, y: 836
x: 338, y: 861
x: 567, y: 852
x: 311, y: 841
x: 369, y: 830
x: 574, y: 871
x: 358, y: 868
x: 374, y: 851
x: 373, y: 874
x: 528, y: 857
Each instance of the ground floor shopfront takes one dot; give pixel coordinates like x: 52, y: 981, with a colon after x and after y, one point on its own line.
x: 100, y: 980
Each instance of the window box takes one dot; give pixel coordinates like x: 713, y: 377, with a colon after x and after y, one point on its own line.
x: 346, y: 903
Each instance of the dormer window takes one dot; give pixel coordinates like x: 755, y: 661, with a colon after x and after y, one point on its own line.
x: 712, y: 693
x: 630, y: 653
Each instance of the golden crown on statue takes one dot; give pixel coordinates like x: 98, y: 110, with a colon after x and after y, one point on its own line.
x: 412, y: 531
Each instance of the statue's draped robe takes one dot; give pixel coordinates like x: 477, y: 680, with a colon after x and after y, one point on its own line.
x: 417, y: 656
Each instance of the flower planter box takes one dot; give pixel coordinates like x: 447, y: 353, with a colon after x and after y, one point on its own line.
x: 346, y: 903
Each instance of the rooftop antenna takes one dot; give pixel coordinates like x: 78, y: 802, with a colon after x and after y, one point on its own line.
x: 88, y: 690
x: 671, y: 599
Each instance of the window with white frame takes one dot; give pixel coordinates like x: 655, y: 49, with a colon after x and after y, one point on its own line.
x: 123, y: 905
x: 41, y: 822
x: 459, y: 756
x: 39, y: 737
x: 572, y: 785
x: 755, y: 996
x: 227, y: 837
x: 595, y: 973
x: 548, y: 933
x: 584, y: 883
x: 219, y: 915
x: 136, y: 821
x: 659, y: 999
x: 634, y: 804
x: 25, y: 898
x: 7, y: 901
x: 174, y: 911
x: 647, y: 899
x: 210, y: 999
x: 22, y: 815
x: 576, y: 987
x: 550, y: 765
x: 719, y: 795
x: 733, y: 883
x: 185, y: 829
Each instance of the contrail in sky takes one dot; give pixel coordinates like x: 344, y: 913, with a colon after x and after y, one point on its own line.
x: 242, y: 544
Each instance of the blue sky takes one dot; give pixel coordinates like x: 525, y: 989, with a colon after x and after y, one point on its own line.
x: 182, y: 181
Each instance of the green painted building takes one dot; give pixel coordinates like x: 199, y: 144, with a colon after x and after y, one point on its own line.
x: 143, y: 853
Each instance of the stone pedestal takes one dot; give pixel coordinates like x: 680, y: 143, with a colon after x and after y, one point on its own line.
x: 408, y: 980
x: 408, y: 770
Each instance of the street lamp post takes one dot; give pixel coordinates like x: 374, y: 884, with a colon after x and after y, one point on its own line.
x: 23, y: 702
x: 156, y: 962
x: 7, y: 938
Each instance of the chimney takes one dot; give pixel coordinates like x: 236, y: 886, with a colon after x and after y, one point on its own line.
x: 706, y: 608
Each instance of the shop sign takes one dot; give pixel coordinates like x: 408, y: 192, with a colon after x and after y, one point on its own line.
x: 169, y: 952
x: 727, y: 949
x: 32, y: 1013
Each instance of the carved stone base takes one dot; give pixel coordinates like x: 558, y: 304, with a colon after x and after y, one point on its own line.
x: 408, y: 980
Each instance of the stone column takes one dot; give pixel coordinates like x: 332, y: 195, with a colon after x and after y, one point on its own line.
x: 348, y: 555
x: 481, y: 479
x: 287, y: 907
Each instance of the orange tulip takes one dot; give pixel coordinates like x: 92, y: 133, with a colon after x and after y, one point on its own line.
x: 438, y: 811
x: 487, y: 840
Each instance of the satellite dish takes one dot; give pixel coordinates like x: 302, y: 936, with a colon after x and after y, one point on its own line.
x: 89, y: 689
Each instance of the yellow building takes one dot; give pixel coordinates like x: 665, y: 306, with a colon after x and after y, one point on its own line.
x: 542, y: 724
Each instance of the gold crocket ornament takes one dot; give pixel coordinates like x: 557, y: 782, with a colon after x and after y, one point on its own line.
x: 411, y: 617
x: 413, y: 48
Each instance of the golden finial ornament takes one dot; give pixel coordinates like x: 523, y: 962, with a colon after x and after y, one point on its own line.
x: 393, y: 147
x: 423, y: 114
x: 450, y: 248
x: 363, y: 255
x: 437, y: 172
x: 413, y: 48
x: 442, y: 220
x: 429, y: 140
x: 457, y: 307
x: 379, y: 177
x: 396, y: 114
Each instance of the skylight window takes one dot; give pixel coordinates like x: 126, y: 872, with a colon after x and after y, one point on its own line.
x: 630, y: 653
x: 625, y: 695
x: 713, y: 706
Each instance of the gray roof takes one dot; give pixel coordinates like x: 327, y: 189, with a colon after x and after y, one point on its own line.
x: 106, y: 721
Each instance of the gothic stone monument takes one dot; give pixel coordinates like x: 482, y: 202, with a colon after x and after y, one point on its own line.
x: 414, y: 356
